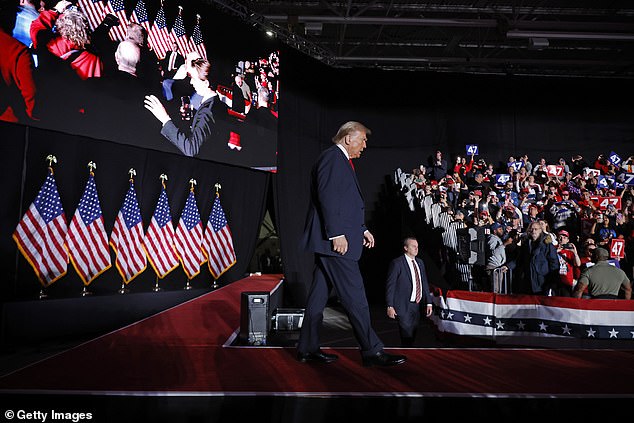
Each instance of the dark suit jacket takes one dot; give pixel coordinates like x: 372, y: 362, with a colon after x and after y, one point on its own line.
x: 189, y: 142
x: 336, y: 206
x: 166, y: 61
x: 399, y: 284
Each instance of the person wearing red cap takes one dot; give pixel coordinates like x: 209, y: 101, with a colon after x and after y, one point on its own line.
x: 569, y: 262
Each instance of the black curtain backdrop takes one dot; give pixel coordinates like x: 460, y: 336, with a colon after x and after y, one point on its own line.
x: 24, y: 149
x: 411, y: 114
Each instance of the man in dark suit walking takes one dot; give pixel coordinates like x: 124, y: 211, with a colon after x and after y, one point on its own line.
x: 336, y: 233
x: 407, y: 290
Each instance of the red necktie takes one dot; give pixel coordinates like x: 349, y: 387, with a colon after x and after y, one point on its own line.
x: 351, y: 165
x: 418, y: 288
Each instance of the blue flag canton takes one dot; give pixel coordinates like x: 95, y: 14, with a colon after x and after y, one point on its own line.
x: 190, y: 216
x: 179, y: 27
x: 47, y: 202
x: 162, y: 214
x: 130, y: 210
x: 197, y: 36
x: 117, y: 5
x: 89, y: 208
x: 160, y: 19
x: 141, y: 12
x: 217, y: 216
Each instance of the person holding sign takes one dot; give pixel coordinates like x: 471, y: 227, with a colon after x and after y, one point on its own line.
x: 603, y: 280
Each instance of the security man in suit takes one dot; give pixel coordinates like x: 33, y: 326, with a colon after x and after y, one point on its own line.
x: 336, y: 233
x: 407, y: 290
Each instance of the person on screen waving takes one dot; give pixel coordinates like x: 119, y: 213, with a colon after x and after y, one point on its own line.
x: 202, y: 123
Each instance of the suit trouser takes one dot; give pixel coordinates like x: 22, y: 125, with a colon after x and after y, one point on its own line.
x: 346, y: 278
x: 408, y: 322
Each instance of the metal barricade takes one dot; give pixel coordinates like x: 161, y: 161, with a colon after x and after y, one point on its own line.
x: 501, y: 281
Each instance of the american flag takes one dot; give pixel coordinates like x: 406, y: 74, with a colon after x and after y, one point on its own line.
x: 218, y: 243
x: 94, y: 11
x: 117, y: 8
x: 196, y: 42
x: 159, y: 37
x: 178, y: 34
x: 189, y: 237
x: 127, y: 238
x: 41, y: 234
x: 139, y: 15
x: 87, y: 239
x: 159, y: 238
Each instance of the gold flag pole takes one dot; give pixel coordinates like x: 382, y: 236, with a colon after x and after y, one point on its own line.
x: 51, y: 159
x: 91, y: 167
x: 157, y: 288
x: 218, y: 187
x: 192, y: 182
x: 124, y: 289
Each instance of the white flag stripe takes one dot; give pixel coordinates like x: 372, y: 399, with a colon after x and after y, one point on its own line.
x: 221, y: 251
x: 53, y: 264
x: 158, y: 244
x: 88, y: 247
x: 55, y: 238
x: 572, y: 315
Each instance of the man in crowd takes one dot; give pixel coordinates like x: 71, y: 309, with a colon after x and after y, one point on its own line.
x: 603, y: 280
x: 537, y: 264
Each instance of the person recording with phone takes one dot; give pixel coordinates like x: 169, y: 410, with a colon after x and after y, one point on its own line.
x: 202, y: 122
x: 569, y: 264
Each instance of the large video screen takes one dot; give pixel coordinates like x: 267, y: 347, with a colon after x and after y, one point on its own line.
x: 187, y: 79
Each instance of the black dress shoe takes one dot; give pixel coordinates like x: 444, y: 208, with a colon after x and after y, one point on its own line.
x: 383, y: 359
x: 318, y: 357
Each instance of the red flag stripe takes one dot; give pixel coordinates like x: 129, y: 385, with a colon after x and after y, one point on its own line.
x: 159, y: 249
x: 33, y: 225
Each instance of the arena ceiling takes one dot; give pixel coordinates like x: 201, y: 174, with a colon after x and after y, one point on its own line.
x: 580, y: 38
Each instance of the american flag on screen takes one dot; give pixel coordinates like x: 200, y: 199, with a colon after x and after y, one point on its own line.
x: 159, y: 37
x: 139, y: 15
x: 179, y: 34
x: 196, y: 42
x: 126, y: 238
x: 94, y: 11
x: 189, y: 237
x: 41, y: 234
x: 218, y: 243
x: 117, y: 8
x: 87, y: 239
x: 159, y: 238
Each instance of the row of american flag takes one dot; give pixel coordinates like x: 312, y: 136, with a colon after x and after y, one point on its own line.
x: 160, y: 38
x: 48, y: 243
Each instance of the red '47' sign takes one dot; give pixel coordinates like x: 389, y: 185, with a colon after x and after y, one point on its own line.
x: 603, y: 202
x: 617, y: 248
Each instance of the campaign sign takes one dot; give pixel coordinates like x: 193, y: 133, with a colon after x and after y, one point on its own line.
x: 555, y: 170
x: 605, y: 181
x: 617, y: 248
x: 615, y: 159
x: 502, y: 178
x: 472, y: 149
x: 592, y: 172
x: 602, y: 203
x: 626, y: 178
x: 515, y: 165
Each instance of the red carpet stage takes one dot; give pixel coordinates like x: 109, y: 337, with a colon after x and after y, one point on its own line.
x: 186, y: 351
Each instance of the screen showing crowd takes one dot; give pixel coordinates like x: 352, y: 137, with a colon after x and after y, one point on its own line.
x: 146, y: 74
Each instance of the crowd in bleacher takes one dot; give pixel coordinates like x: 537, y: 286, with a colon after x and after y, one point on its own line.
x: 575, y: 208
